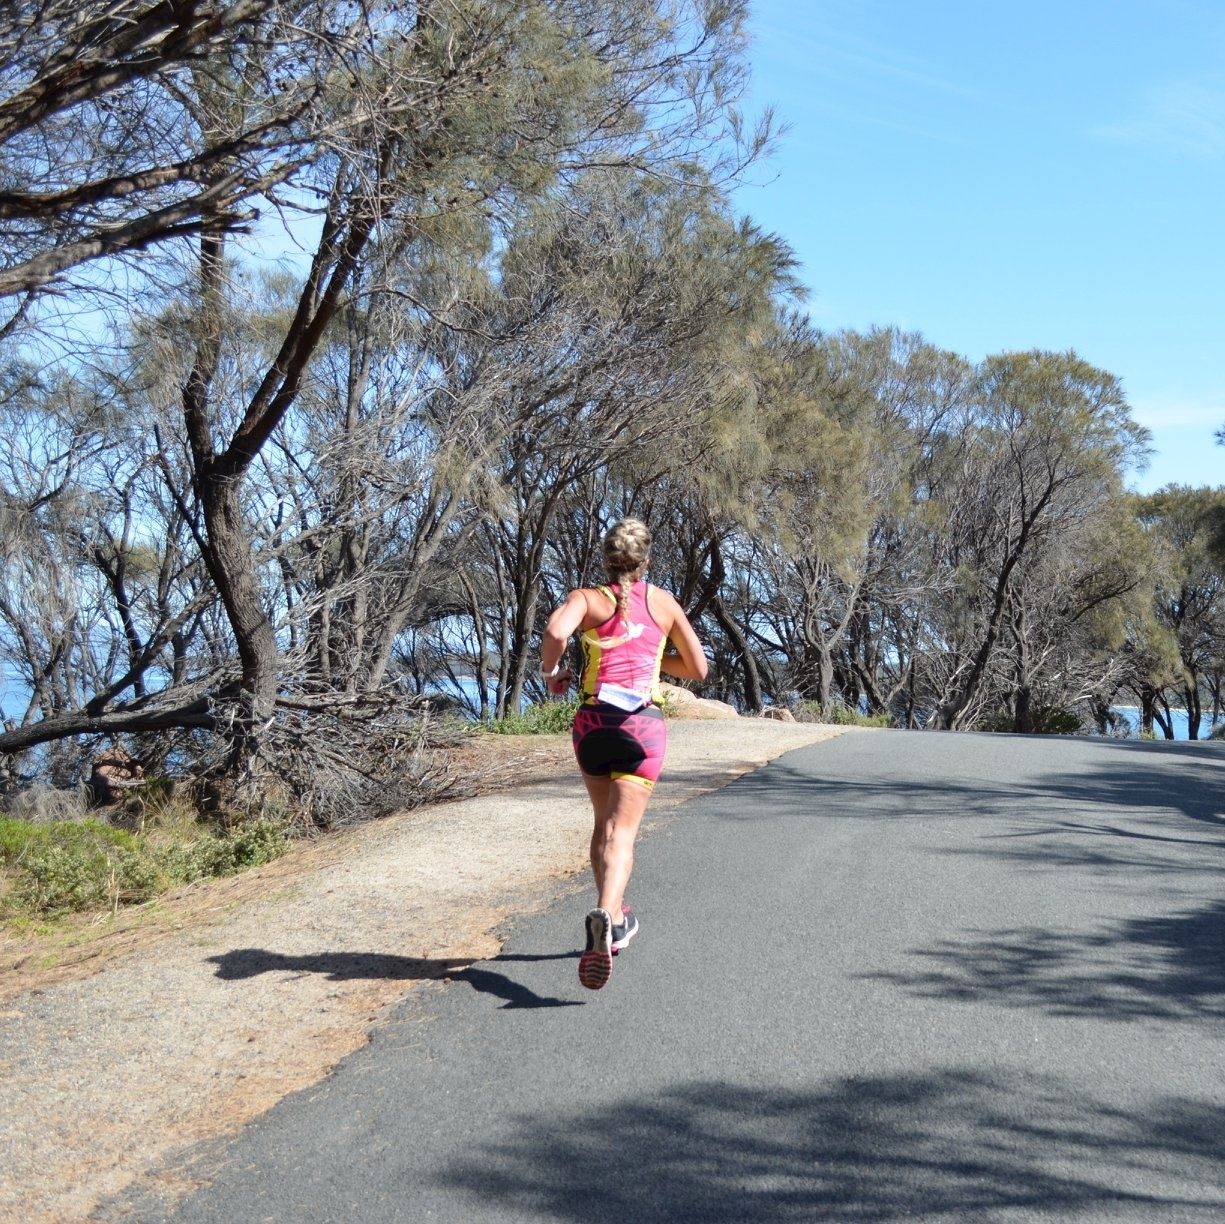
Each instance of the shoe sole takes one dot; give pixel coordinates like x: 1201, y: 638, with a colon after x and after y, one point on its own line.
x: 595, y: 965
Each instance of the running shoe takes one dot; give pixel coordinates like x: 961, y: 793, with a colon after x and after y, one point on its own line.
x: 595, y: 965
x: 625, y: 930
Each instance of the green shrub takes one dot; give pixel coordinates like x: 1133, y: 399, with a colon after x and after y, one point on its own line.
x: 69, y: 865
x: 544, y: 718
x: 1047, y: 720
x: 1055, y: 720
x: 838, y: 714
x: 249, y: 845
x: 252, y: 845
x: 187, y: 862
x: 66, y: 866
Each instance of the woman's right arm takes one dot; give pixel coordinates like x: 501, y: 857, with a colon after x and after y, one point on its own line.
x: 689, y: 661
x: 566, y: 618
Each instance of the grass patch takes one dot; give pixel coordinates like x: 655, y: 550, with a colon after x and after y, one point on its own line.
x: 65, y: 865
x: 543, y: 718
x: 58, y: 867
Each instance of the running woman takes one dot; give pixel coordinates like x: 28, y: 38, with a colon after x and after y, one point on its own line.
x: 619, y: 731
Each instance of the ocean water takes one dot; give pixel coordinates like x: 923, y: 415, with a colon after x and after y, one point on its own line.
x: 14, y: 694
x: 1132, y: 714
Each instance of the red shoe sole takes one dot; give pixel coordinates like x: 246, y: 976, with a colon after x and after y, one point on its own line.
x: 594, y: 969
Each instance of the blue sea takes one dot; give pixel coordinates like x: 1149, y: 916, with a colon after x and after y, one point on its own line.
x: 1132, y: 714
x: 14, y: 693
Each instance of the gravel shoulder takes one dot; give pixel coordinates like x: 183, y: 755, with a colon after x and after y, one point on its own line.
x: 183, y: 1023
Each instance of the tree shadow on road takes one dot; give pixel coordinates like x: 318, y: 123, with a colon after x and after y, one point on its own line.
x: 1133, y: 776
x: 1152, y: 781
x: 242, y: 963
x: 1133, y: 813
x: 1138, y: 793
x: 953, y: 1144
x: 1100, y: 848
x: 1162, y: 968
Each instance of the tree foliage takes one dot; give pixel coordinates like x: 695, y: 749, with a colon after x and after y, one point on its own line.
x: 259, y: 514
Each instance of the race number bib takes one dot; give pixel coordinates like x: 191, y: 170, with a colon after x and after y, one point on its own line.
x: 625, y: 699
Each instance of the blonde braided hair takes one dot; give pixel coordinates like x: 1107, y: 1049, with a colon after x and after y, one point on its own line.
x: 627, y: 545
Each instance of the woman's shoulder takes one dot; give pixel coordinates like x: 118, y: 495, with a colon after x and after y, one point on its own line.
x: 597, y: 598
x: 658, y: 592
x: 662, y: 604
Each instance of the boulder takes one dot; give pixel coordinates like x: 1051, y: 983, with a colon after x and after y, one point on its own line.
x: 778, y: 714
x: 681, y: 703
x: 114, y: 773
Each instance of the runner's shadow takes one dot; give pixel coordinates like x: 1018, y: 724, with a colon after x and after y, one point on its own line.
x: 242, y: 963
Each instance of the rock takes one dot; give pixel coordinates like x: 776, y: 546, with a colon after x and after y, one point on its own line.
x: 778, y: 714
x: 114, y: 773
x: 681, y: 703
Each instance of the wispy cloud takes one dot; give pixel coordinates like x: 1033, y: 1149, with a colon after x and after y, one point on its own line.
x: 855, y: 80
x: 1173, y: 410
x: 845, y: 114
x: 844, y: 54
x: 1185, y: 117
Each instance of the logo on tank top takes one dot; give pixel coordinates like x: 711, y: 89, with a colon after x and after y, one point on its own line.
x: 632, y: 631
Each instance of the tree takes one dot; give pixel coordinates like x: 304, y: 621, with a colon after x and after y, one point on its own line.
x: 405, y: 126
x: 1190, y: 584
x: 1048, y: 431
x: 633, y: 300
x: 894, y: 399
x: 135, y: 124
x: 1068, y: 613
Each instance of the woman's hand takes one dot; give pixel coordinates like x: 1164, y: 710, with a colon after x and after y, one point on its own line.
x: 564, y: 621
x: 559, y: 683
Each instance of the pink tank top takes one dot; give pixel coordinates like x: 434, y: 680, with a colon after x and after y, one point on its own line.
x: 623, y: 656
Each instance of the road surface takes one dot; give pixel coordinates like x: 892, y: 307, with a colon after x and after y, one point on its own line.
x: 896, y: 976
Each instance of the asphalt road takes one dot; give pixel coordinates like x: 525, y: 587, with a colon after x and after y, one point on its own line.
x: 890, y: 977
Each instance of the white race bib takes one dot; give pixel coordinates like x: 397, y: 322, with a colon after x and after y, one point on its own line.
x: 626, y: 699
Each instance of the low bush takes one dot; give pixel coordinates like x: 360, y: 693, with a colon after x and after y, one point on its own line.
x: 543, y: 718
x: 837, y: 714
x: 63, y: 865
x: 1055, y: 720
x: 227, y: 853
x: 59, y: 867
x: 1046, y: 720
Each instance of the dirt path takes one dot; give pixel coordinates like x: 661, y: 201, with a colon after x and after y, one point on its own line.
x: 185, y: 1025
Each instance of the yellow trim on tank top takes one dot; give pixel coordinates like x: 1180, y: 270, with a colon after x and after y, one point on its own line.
x: 592, y: 652
x: 591, y: 671
x: 657, y: 693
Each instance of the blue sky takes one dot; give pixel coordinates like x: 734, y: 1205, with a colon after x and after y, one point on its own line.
x: 1011, y: 177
